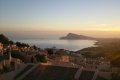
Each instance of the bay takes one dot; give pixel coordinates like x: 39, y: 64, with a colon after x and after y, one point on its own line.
x: 72, y: 45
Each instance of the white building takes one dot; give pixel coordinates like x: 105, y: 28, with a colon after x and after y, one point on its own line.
x: 1, y: 48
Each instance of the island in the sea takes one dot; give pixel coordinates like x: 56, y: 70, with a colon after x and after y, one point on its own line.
x: 72, y: 36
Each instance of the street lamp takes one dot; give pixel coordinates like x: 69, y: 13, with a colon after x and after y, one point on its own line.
x: 9, y: 52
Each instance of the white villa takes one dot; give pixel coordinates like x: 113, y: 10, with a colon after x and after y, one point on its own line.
x: 1, y: 48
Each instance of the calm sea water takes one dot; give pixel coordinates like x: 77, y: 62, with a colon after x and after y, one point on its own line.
x: 72, y: 45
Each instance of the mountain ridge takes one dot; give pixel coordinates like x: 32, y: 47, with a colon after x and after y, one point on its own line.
x: 72, y: 36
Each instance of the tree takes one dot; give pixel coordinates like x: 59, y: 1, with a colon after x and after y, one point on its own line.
x: 40, y: 58
x: 4, y: 39
x: 50, y: 51
x: 35, y: 47
x: 11, y: 42
x: 19, y: 44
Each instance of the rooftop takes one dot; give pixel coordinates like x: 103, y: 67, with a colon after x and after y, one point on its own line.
x: 48, y: 72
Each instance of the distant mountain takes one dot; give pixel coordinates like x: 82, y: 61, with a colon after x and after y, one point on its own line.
x: 72, y: 36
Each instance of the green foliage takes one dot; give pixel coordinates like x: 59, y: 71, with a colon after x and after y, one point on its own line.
x: 50, y: 51
x: 40, y: 58
x: 19, y: 44
x: 109, y: 48
x: 4, y: 39
x: 4, y: 70
x: 3, y: 57
x: 34, y: 47
x: 11, y: 42
x: 18, y: 55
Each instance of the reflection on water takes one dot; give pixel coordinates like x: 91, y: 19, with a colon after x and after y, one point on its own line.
x: 72, y: 45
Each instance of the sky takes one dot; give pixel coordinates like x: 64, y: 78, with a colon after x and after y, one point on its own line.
x: 99, y: 18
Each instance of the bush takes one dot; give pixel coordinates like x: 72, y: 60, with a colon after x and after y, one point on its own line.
x: 5, y: 69
x: 50, y: 51
x: 4, y: 39
x: 40, y: 58
x: 19, y: 44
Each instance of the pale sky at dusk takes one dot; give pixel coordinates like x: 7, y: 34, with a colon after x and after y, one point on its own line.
x: 59, y: 15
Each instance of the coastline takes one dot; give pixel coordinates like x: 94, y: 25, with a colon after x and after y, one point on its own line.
x: 108, y: 48
x: 72, y: 45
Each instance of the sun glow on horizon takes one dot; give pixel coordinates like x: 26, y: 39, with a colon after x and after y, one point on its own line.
x: 97, y: 16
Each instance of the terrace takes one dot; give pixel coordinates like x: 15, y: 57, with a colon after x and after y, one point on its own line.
x: 87, y: 75
x: 47, y: 72
x: 28, y: 67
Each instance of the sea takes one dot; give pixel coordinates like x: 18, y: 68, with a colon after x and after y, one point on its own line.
x: 72, y: 45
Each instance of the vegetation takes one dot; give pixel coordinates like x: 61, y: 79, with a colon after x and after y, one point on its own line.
x: 18, y: 55
x: 19, y: 44
x: 50, y: 51
x: 40, y: 58
x: 109, y: 48
x: 34, y: 47
x: 4, y: 69
x: 4, y: 39
x: 3, y: 57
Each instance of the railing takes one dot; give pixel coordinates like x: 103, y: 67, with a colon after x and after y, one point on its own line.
x: 95, y: 75
x: 78, y: 73
x: 86, y: 75
x: 23, y: 71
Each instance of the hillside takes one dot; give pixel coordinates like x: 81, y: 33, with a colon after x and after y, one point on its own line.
x: 109, y: 48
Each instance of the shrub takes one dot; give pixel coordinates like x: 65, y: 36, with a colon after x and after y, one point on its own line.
x: 40, y: 58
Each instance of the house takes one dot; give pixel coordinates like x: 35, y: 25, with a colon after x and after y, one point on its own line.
x: 78, y: 59
x: 14, y: 47
x: 1, y: 49
x: 12, y: 64
x: 105, y: 66
x: 65, y: 58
